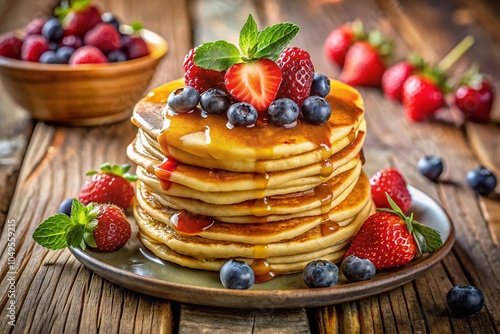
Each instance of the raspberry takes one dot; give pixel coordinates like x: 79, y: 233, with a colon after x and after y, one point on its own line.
x: 298, y: 74
x: 104, y: 37
x: 33, y: 47
x: 199, y: 78
x: 10, y: 46
x: 87, y: 54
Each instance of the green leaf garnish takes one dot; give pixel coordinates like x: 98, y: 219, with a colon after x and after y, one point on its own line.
x: 254, y: 44
x: 75, y: 235
x: 120, y: 170
x: 51, y: 233
x: 217, y: 56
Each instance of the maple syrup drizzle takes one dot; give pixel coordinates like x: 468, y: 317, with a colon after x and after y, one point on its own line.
x: 188, y: 223
x: 262, y: 271
x: 326, y: 168
x: 261, y: 207
x: 325, y: 195
x: 259, y: 251
x: 261, y: 180
x: 325, y: 149
x: 328, y: 227
x: 351, y: 136
x: 164, y: 171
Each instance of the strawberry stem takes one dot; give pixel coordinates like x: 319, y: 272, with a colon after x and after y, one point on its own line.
x: 456, y: 53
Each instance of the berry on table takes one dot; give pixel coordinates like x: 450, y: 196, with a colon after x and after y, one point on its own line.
x: 356, y: 269
x: 316, y: 110
x: 430, y: 166
x: 339, y: 41
x: 422, y: 97
x: 65, y: 206
x: 320, y: 274
x: 33, y: 47
x: 394, y: 78
x: 320, y: 85
x: 52, y: 30
x: 464, y: 300
x: 283, y: 111
x: 236, y: 274
x: 10, y: 46
x: 390, y: 181
x: 183, y: 99
x: 242, y: 113
x: 481, y: 180
x: 87, y: 54
x: 214, y: 101
x: 103, y: 36
x: 49, y: 57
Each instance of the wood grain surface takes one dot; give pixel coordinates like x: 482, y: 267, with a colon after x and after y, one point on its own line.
x: 54, y: 293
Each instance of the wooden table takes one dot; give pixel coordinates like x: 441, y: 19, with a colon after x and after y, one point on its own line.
x: 40, y: 165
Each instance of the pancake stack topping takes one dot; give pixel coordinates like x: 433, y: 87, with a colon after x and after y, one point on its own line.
x: 251, y: 158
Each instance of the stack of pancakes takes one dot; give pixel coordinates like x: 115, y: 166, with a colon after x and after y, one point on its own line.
x: 275, y: 197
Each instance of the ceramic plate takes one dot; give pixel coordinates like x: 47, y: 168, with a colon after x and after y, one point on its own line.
x: 135, y: 268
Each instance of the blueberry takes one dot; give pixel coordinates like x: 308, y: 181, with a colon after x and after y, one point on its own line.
x: 214, y: 101
x: 356, y: 269
x: 110, y: 18
x: 183, y: 99
x: 49, y: 57
x: 320, y: 274
x: 64, y: 53
x: 236, y: 274
x: 283, y: 111
x: 430, y: 166
x: 316, y: 110
x: 481, y: 180
x: 242, y: 113
x: 116, y: 56
x: 320, y: 85
x: 65, y: 206
x: 52, y: 30
x: 464, y: 300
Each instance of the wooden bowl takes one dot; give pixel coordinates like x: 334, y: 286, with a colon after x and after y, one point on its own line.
x: 91, y: 94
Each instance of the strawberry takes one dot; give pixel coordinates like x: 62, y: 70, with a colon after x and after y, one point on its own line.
x: 102, y: 227
x: 104, y: 37
x: 340, y: 40
x: 33, y: 47
x: 254, y: 82
x: 199, y: 78
x: 474, y: 96
x: 10, y: 46
x: 422, y: 97
x: 134, y: 45
x: 390, y: 239
x: 365, y: 61
x: 395, y: 76
x: 298, y: 74
x: 110, y: 185
x: 390, y: 181
x: 78, y: 18
x: 87, y: 54
x: 34, y: 27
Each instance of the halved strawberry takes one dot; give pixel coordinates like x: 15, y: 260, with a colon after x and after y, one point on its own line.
x: 256, y: 82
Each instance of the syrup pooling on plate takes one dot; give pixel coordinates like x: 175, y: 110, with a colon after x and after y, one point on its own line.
x: 262, y: 271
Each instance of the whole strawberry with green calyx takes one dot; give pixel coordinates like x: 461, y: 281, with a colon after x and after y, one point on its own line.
x: 390, y: 239
x: 365, y: 61
x: 340, y: 40
x: 395, y: 76
x: 77, y: 16
x: 102, y: 227
x: 111, y: 184
x: 474, y: 96
x: 252, y: 75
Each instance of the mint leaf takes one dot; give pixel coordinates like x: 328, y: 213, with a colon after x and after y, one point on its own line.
x: 248, y: 37
x: 81, y: 214
x: 51, y: 233
x: 74, y: 235
x: 89, y: 239
x: 274, y: 39
x: 432, y: 237
x: 217, y: 56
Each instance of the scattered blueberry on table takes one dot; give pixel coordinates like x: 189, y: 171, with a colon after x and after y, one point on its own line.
x: 464, y: 300
x: 430, y: 166
x: 481, y: 180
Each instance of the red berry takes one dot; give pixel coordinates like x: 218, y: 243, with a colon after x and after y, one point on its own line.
x: 298, y: 74
x: 87, y: 55
x: 255, y: 82
x: 475, y: 101
x: 422, y: 98
x: 79, y: 21
x: 384, y: 239
x: 33, y: 47
x: 104, y: 37
x: 34, y: 27
x: 135, y: 47
x: 363, y: 66
x: 394, y: 78
x: 10, y: 46
x: 390, y: 181
x: 113, y: 230
x: 199, y: 78
x: 337, y: 43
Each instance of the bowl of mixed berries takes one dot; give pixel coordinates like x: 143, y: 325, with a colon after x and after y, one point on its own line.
x: 80, y: 66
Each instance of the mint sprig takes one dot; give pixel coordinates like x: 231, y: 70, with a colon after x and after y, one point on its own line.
x: 253, y: 44
x: 120, y: 170
x: 428, y: 240
x: 60, y: 231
